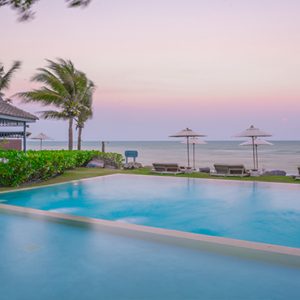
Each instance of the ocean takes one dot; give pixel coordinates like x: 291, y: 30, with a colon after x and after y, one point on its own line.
x: 283, y: 155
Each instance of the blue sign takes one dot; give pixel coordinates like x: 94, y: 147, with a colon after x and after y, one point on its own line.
x: 131, y: 153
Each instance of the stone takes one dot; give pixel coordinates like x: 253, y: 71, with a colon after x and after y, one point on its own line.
x: 132, y: 165
x: 96, y: 163
x: 275, y: 173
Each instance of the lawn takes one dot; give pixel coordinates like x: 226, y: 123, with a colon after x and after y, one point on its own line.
x: 81, y: 173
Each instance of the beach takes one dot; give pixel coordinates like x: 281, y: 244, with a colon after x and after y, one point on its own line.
x: 283, y: 155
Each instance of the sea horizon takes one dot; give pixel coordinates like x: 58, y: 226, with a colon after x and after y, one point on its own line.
x: 162, y: 140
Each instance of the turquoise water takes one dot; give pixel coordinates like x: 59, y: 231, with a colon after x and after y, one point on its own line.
x: 284, y: 155
x: 261, y: 212
x: 45, y: 260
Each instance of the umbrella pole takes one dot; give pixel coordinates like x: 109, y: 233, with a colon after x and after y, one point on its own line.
x: 41, y: 144
x: 253, y: 149
x: 194, y: 157
x: 256, y: 146
x: 188, y: 150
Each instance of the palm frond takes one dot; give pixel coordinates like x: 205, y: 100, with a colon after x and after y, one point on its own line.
x: 45, y: 76
x: 44, y: 96
x: 6, y: 78
x: 85, y: 89
x: 65, y: 71
x: 64, y: 87
x: 52, y: 114
x: 75, y: 3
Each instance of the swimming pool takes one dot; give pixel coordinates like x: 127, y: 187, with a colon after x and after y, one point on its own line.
x: 252, y: 211
x: 49, y: 260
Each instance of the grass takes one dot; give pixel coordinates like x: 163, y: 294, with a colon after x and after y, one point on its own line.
x: 81, y: 173
x: 282, y: 179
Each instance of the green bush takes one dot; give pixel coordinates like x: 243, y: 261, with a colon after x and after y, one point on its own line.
x: 18, y: 167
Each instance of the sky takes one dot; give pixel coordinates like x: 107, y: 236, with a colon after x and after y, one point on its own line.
x: 216, y: 66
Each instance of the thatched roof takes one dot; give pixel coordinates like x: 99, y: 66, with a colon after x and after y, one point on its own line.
x: 10, y: 111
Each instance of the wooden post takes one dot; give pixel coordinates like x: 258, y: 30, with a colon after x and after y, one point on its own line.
x: 253, y: 149
x: 103, y: 146
x: 24, y: 137
x: 194, y: 164
x: 188, y: 151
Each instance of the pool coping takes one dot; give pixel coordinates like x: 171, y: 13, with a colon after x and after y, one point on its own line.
x: 225, y: 246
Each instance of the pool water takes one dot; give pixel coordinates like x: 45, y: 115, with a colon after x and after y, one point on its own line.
x: 260, y: 212
x: 47, y: 260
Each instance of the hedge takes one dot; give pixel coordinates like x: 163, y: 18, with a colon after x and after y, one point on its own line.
x: 18, y: 167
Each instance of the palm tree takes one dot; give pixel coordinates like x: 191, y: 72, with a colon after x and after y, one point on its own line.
x: 5, y: 77
x: 24, y: 7
x: 86, y: 101
x: 63, y: 86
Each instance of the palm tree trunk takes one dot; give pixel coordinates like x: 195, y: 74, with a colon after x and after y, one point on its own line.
x: 79, y: 138
x: 71, y: 134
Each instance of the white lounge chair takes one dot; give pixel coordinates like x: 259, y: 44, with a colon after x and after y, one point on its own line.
x: 168, y: 168
x: 230, y: 170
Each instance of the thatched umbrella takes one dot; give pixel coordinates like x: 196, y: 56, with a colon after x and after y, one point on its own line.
x: 253, y: 133
x: 41, y: 136
x: 187, y: 133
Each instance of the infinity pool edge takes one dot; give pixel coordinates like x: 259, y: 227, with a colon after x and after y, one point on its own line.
x: 227, y: 246
x: 229, y: 180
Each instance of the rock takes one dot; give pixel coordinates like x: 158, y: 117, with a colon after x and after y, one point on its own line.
x: 204, y: 170
x: 132, y: 165
x: 275, y: 173
x: 96, y: 163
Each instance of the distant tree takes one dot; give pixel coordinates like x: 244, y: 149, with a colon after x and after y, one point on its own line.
x: 24, y: 7
x: 63, y: 88
x: 5, y: 77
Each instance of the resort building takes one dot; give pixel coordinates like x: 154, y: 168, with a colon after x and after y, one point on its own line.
x: 13, y: 126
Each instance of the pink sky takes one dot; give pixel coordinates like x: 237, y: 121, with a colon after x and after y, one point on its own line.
x: 217, y: 66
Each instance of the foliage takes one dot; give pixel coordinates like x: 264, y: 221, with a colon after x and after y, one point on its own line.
x: 24, y: 7
x: 5, y: 77
x: 18, y: 167
x: 85, y: 93
x: 59, y: 89
x: 65, y: 88
x: 85, y: 99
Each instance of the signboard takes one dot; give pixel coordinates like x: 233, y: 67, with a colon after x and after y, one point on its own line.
x: 131, y: 153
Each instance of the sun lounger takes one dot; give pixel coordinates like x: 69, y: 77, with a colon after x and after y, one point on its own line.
x: 168, y: 168
x: 230, y: 170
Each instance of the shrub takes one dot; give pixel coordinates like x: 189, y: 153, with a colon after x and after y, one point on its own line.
x: 19, y: 167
